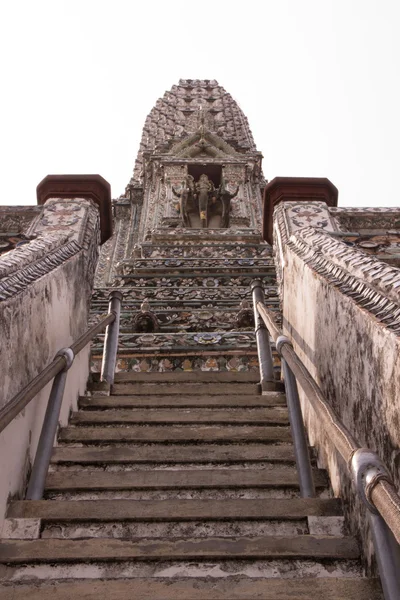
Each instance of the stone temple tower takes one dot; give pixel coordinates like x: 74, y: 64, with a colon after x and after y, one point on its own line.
x: 188, y: 237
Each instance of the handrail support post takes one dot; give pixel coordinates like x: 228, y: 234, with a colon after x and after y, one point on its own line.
x: 262, y: 339
x: 49, y: 428
x: 111, y: 339
x: 387, y: 553
x: 302, y: 455
x: 367, y: 469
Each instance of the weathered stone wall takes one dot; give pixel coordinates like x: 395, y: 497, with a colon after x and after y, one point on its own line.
x: 45, y: 289
x: 350, y: 345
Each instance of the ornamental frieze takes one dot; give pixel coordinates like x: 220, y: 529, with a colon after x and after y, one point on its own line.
x: 183, y: 341
x: 199, y: 294
x: 217, y: 280
x: 175, y: 319
x: 16, y: 219
x: 207, y: 251
x: 207, y: 361
x: 178, y: 267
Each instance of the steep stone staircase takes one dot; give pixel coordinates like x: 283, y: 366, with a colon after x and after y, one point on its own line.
x: 180, y: 486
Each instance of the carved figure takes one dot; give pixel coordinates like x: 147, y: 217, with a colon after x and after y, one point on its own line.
x: 225, y: 196
x: 186, y: 192
x: 245, y: 317
x: 204, y: 191
x: 203, y: 198
x: 145, y: 321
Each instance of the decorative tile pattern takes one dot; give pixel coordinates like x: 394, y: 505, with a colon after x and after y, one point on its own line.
x: 180, y: 341
x: 310, y: 214
x: 65, y: 215
x: 204, y: 362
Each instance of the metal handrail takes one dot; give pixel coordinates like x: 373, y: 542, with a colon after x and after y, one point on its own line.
x: 58, y: 369
x: 262, y: 339
x: 22, y: 399
x: 371, y: 476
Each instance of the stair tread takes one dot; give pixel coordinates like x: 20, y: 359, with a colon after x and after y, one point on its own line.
x: 229, y: 588
x: 183, y: 433
x: 175, y: 453
x: 174, y: 510
x: 277, y: 476
x: 181, y: 415
x: 188, y: 376
x: 164, y: 400
x: 184, y: 388
x: 56, y: 550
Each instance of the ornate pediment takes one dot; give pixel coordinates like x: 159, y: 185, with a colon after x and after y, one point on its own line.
x: 203, y: 144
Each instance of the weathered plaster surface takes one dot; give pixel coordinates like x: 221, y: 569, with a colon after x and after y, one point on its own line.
x: 355, y: 359
x: 44, y: 307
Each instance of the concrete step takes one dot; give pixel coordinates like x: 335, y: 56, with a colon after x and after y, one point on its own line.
x: 238, y: 493
x: 215, y: 570
x: 176, y: 510
x: 210, y: 588
x: 261, y: 416
x: 97, y: 549
x: 165, y: 401
x: 182, y: 433
x: 170, y: 453
x: 276, y: 476
x: 174, y: 529
x: 186, y: 376
x: 184, y: 388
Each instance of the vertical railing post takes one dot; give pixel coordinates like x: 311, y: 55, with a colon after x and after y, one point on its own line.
x: 387, y: 556
x: 367, y: 469
x: 49, y: 428
x: 111, y: 339
x: 302, y: 455
x: 262, y: 338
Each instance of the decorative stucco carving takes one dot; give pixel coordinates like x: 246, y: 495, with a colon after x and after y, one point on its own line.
x: 63, y: 229
x: 290, y: 217
x: 200, y: 293
x: 367, y: 219
x: 372, y: 284
x: 22, y: 274
x: 180, y: 113
x: 16, y: 219
x: 182, y: 341
x: 195, y: 244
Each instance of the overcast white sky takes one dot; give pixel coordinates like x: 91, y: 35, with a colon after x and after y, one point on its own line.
x: 317, y: 79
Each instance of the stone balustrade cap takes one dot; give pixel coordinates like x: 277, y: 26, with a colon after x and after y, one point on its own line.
x: 94, y: 187
x: 295, y: 189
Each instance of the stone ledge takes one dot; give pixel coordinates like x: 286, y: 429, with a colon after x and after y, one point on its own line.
x: 93, y: 187
x: 295, y: 189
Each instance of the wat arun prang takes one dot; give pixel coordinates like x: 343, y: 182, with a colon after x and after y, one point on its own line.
x: 188, y: 236
x: 187, y: 240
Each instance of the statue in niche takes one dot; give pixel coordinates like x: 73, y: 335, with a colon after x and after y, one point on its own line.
x: 204, y: 195
x: 145, y: 321
x: 201, y: 205
x: 186, y: 193
x: 225, y: 197
x: 245, y: 317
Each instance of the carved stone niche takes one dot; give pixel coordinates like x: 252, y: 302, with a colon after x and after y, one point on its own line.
x: 198, y: 196
x: 145, y: 321
x: 245, y: 317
